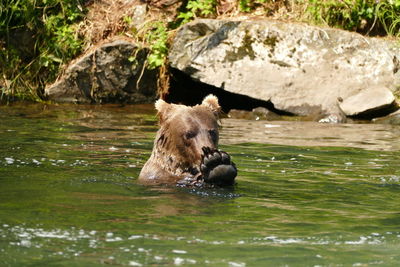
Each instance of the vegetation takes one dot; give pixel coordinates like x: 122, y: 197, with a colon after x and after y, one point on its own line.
x: 156, y: 38
x: 365, y: 16
x: 248, y: 5
x: 197, y: 8
x: 38, y: 37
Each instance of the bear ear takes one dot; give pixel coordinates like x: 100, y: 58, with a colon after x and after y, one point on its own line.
x: 211, y: 102
x: 163, y: 108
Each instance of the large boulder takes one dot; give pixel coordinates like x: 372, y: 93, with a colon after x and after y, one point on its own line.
x: 112, y: 72
x: 300, y: 69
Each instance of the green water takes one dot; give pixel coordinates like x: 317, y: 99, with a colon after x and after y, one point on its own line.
x: 307, y: 194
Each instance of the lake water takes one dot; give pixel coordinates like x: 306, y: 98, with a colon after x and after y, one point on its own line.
x: 307, y: 194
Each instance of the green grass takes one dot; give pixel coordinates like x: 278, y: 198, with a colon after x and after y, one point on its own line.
x: 364, y: 16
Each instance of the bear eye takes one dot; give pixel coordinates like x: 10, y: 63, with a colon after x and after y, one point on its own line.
x: 190, y: 134
x: 214, y: 135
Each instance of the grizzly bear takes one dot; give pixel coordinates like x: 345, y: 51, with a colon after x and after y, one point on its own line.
x: 185, y: 148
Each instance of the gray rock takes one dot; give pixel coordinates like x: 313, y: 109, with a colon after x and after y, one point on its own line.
x: 333, y: 118
x: 112, y: 72
x: 368, y: 100
x: 301, y: 69
x: 258, y: 113
x: 139, y: 14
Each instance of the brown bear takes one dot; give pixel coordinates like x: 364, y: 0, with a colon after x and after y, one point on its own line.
x: 185, y: 148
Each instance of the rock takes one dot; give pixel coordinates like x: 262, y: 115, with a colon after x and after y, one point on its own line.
x: 262, y: 113
x: 139, y: 15
x: 393, y: 118
x: 112, y: 72
x: 300, y: 69
x: 367, y: 101
x: 333, y: 118
x: 259, y: 113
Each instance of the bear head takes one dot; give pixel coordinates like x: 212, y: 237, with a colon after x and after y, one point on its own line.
x: 185, y: 130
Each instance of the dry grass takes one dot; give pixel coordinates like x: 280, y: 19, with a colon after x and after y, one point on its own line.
x: 105, y: 19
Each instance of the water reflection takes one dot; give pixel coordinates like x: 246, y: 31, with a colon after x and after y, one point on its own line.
x: 138, y: 122
x: 367, y: 136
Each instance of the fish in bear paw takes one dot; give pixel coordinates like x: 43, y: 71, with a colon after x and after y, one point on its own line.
x: 185, y: 150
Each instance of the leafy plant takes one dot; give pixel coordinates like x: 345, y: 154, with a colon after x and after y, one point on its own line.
x: 197, y: 8
x: 156, y: 37
x: 48, y: 31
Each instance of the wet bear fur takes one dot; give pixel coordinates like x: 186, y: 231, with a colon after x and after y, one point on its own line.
x: 185, y: 147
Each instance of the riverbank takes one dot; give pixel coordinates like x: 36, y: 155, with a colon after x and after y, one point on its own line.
x: 69, y: 29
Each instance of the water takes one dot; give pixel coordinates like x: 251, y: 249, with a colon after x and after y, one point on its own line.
x: 307, y: 194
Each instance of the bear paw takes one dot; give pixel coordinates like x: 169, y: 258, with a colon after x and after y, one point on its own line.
x: 217, y: 167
